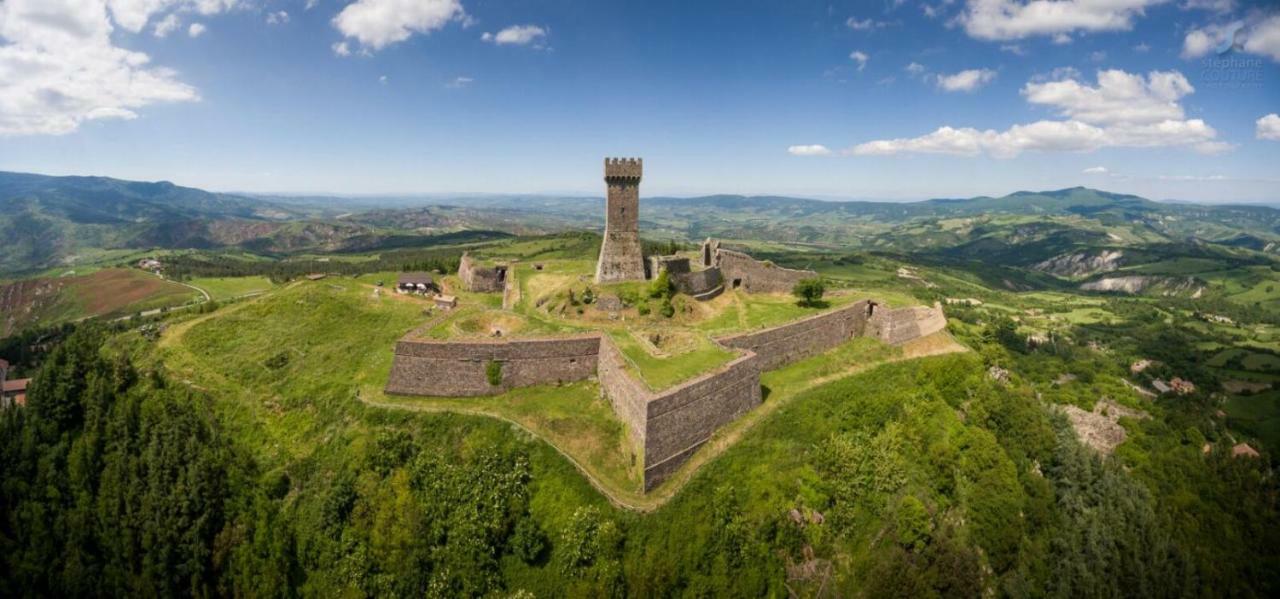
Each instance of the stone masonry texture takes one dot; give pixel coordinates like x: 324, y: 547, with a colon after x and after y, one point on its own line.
x: 621, y: 258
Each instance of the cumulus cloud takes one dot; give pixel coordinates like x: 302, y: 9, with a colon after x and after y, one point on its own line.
x: 133, y: 15
x: 915, y: 68
x: 809, y: 150
x: 859, y: 57
x: 966, y: 81
x: 60, y: 69
x: 377, y: 24
x: 166, y: 25
x: 1003, y: 20
x: 196, y: 30
x: 517, y: 35
x: 1258, y: 35
x: 278, y: 17
x: 1120, y: 110
x: 1268, y: 127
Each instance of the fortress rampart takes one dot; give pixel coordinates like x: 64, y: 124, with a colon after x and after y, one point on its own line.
x: 665, y: 426
x: 755, y: 276
x: 453, y: 369
x: 787, y: 343
x: 479, y: 278
x: 896, y: 327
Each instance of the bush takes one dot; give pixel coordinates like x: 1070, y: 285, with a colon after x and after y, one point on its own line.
x: 667, y: 309
x: 661, y: 286
x: 809, y: 291
x: 644, y: 309
x: 493, y: 372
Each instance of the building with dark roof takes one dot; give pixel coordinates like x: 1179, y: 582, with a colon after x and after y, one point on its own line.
x: 415, y: 282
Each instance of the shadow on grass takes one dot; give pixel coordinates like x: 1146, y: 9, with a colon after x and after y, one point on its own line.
x: 819, y: 304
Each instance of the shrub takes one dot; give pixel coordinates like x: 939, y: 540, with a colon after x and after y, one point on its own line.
x: 809, y: 291
x: 644, y: 309
x: 493, y: 372
x: 667, y: 309
x: 661, y: 286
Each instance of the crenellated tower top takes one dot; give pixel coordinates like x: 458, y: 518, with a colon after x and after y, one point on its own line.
x: 623, y: 168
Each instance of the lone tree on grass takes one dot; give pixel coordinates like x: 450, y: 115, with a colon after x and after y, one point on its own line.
x: 809, y: 291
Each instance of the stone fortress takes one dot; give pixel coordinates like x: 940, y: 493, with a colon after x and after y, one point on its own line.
x: 665, y: 426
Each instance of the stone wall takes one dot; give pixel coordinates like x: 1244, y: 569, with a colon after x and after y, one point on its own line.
x: 629, y: 396
x: 456, y: 368
x: 679, y: 420
x: 787, y: 343
x: 620, y: 254
x: 755, y: 276
x: 899, y: 326
x: 699, y: 282
x: 479, y: 278
x: 668, y: 426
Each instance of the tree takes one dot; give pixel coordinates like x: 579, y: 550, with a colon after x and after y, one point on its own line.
x: 809, y: 291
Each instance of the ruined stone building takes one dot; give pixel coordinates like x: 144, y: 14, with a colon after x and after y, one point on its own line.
x: 620, y: 255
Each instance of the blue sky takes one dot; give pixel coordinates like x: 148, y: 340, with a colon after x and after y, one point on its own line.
x: 820, y: 99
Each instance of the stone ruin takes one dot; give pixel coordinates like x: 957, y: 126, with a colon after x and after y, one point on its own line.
x: 479, y: 278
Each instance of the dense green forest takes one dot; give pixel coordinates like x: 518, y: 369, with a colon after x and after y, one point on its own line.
x: 923, y: 478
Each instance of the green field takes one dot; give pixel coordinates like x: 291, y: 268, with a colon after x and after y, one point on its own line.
x: 224, y: 288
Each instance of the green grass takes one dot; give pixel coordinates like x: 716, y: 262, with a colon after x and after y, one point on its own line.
x: 222, y: 288
x: 1256, y: 415
x: 336, y: 338
x: 660, y: 373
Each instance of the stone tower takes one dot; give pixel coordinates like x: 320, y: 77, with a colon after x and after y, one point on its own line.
x: 620, y: 256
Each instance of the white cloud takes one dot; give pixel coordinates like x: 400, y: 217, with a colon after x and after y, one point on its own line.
x: 1016, y: 19
x: 1264, y: 38
x: 859, y: 57
x: 809, y: 150
x: 1268, y: 127
x: 166, y: 25
x: 863, y: 25
x: 1221, y: 6
x: 133, y: 15
x: 459, y: 82
x: 196, y: 30
x: 1098, y: 56
x: 1142, y: 47
x: 1259, y: 36
x: 341, y: 49
x: 966, y: 81
x: 377, y: 24
x: 1122, y: 110
x: 59, y: 69
x: 310, y: 4
x: 915, y: 68
x: 1096, y: 170
x: 1118, y: 97
x: 1015, y: 49
x: 517, y: 35
x: 278, y: 17
x: 382, y: 79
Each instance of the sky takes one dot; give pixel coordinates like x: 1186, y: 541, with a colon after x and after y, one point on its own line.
x: 873, y: 99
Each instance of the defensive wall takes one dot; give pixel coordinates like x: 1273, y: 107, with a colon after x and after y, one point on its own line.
x: 460, y: 368
x: 666, y: 426
x: 896, y: 327
x: 479, y: 278
x: 756, y: 276
x: 787, y: 343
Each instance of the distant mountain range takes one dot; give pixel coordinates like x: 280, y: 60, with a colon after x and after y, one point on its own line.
x: 48, y: 221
